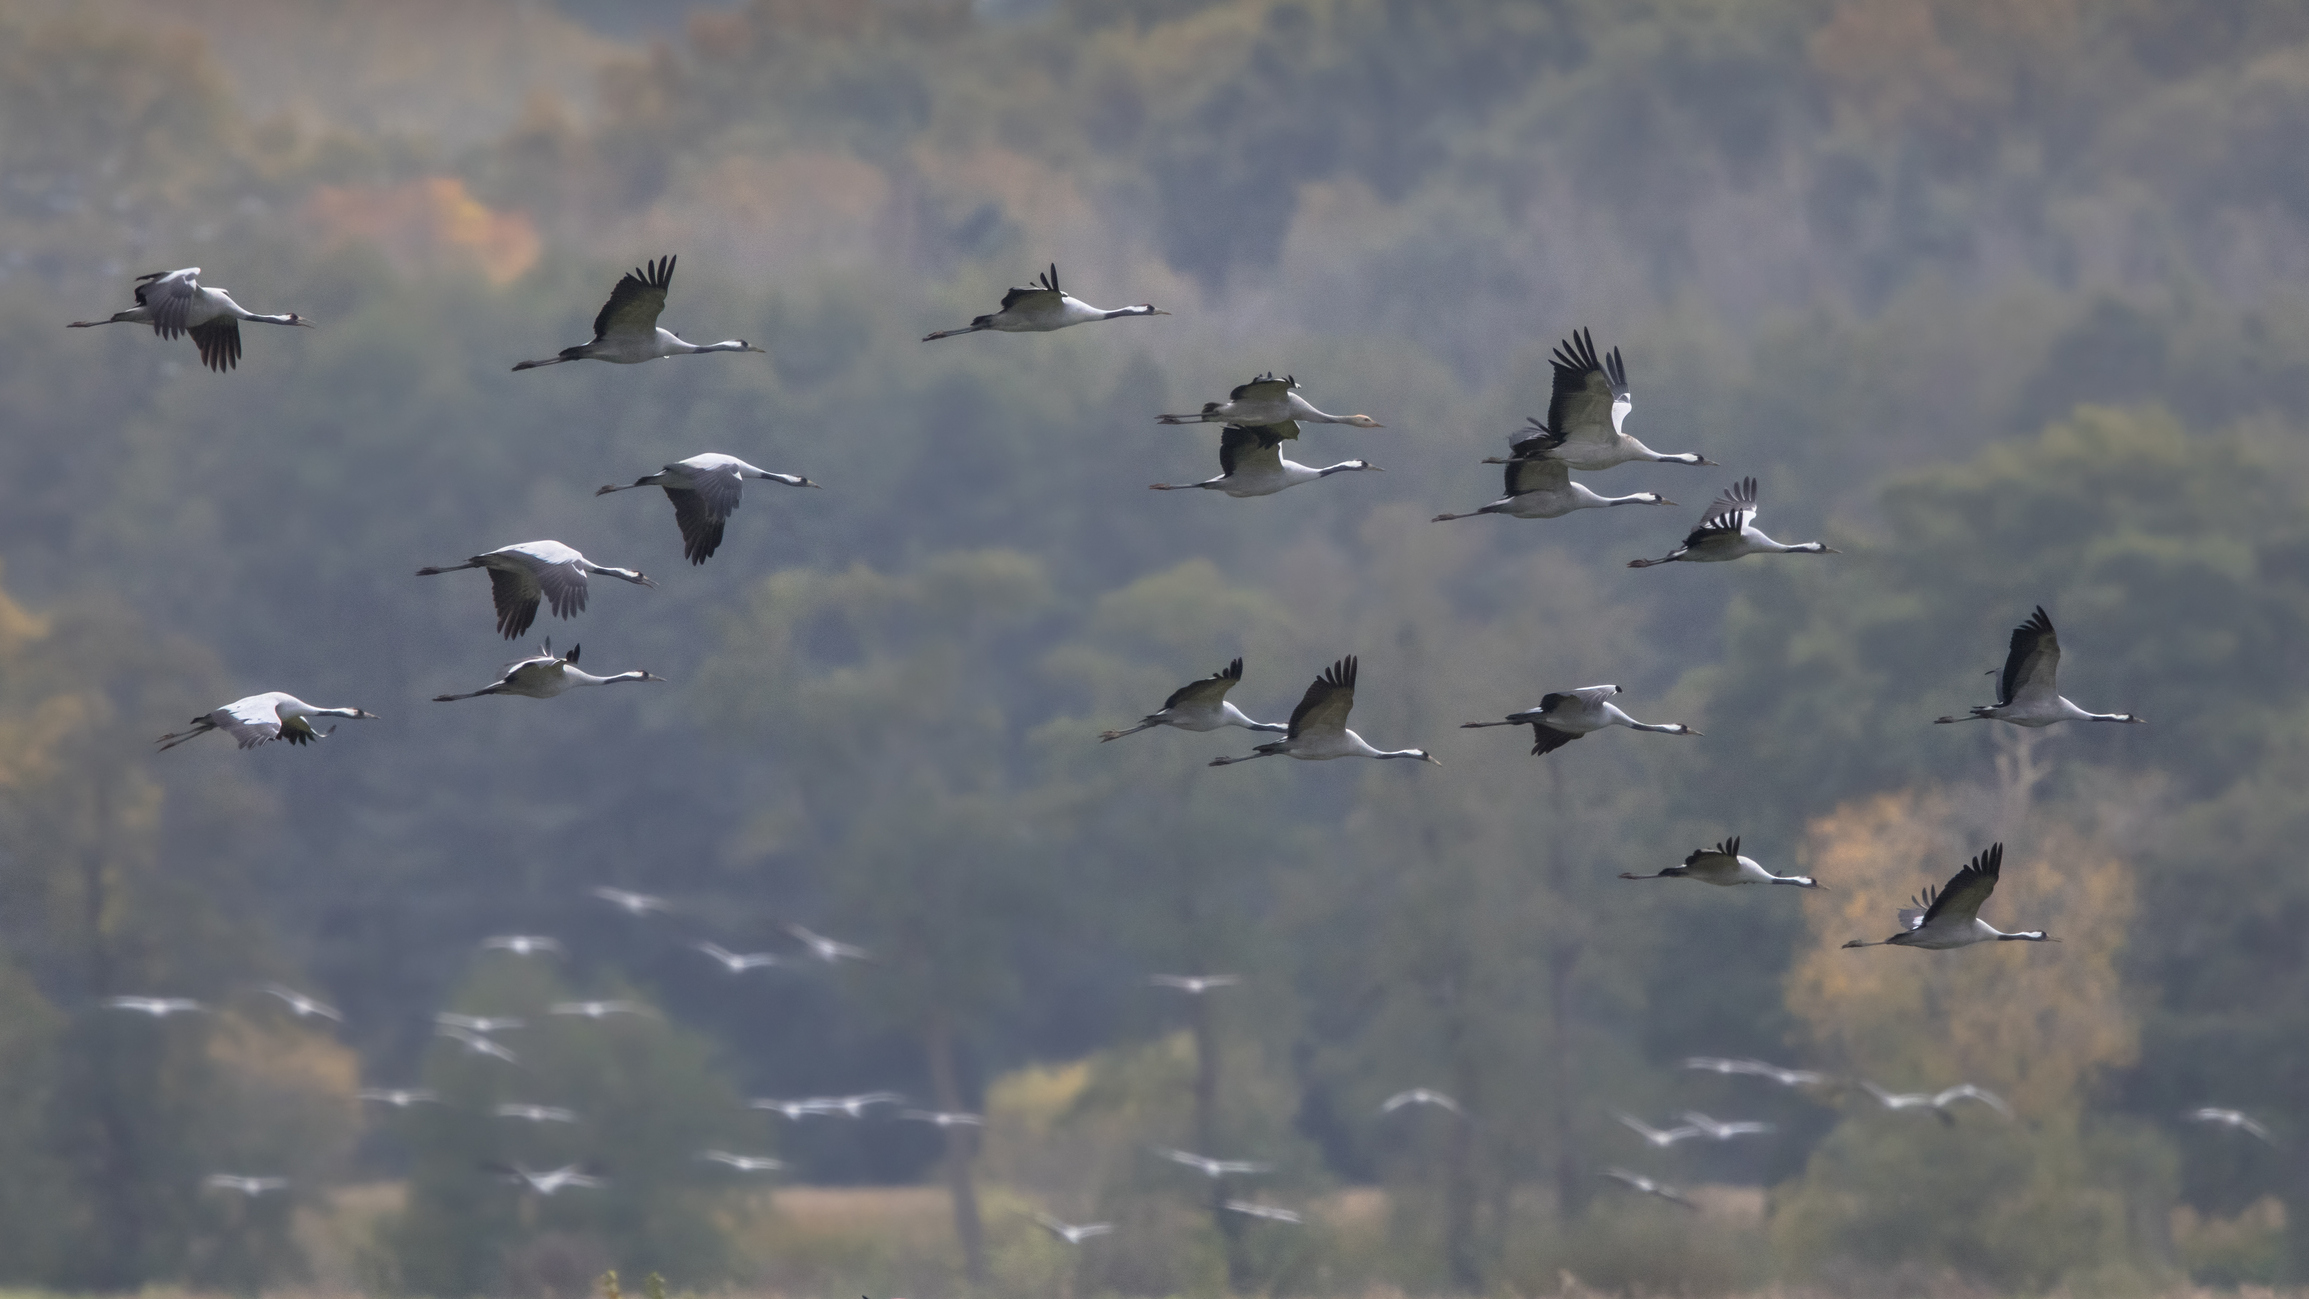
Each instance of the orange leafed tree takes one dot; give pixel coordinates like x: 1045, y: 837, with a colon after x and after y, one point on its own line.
x: 2032, y: 1021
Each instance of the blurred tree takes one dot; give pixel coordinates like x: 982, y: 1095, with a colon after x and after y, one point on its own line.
x: 2019, y: 1202
x: 908, y: 776
x: 648, y: 1099
x: 112, y: 887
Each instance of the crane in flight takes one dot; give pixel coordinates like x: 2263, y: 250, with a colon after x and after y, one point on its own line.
x: 1200, y: 706
x: 1318, y: 731
x: 176, y: 303
x: 1041, y: 307
x: 2028, y: 689
x: 626, y: 331
x: 260, y: 719
x: 1950, y: 916
x: 705, y: 490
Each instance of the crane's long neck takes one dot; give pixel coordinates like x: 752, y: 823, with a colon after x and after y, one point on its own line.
x: 2070, y: 712
x: 1613, y: 716
x: 1142, y: 309
x: 1758, y: 541
x: 726, y: 345
x: 1344, y: 466
x: 626, y: 574
x: 2024, y: 936
x: 1643, y: 452
x: 1234, y: 716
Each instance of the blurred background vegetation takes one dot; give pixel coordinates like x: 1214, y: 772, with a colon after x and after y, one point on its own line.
x: 2001, y: 297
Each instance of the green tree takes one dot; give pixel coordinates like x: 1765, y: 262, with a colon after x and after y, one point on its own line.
x: 648, y: 1100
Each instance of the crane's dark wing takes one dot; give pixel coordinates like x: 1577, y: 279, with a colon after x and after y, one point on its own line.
x: 1729, y: 850
x: 1213, y: 687
x: 701, y: 528
x: 1727, y: 515
x: 516, y: 596
x: 1328, y: 700
x: 1045, y: 286
x: 1961, y: 897
x: 1580, y: 405
x: 2033, y: 664
x: 1240, y: 444
x: 219, y: 342
x: 1536, y: 475
x: 1537, y: 440
x: 1547, y: 739
x: 700, y: 509
x: 633, y: 306
x: 1739, y: 498
x: 1264, y: 388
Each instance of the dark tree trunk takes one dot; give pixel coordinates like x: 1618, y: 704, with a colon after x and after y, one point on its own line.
x: 1459, y: 1250
x: 113, y: 1164
x: 961, y: 1149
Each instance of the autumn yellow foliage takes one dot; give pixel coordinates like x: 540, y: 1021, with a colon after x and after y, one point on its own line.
x: 2032, y: 1021
x: 2047, y: 1197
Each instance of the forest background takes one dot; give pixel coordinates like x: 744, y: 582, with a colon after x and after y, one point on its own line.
x: 2000, y: 297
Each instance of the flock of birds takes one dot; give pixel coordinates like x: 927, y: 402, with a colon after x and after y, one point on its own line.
x: 1585, y: 430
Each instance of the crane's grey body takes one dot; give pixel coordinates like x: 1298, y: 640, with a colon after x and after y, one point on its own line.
x: 525, y: 574
x: 260, y: 719
x: 705, y: 490
x: 1566, y: 715
x: 1646, y: 1186
x: 546, y: 674
x: 1266, y: 400
x: 176, y: 303
x: 1041, y: 307
x: 1950, y: 916
x: 1200, y: 706
x: 626, y: 332
x: 2227, y: 1118
x: 1938, y: 1102
x: 1543, y: 489
x: 1318, y: 730
x: 1724, y: 867
x: 1251, y: 463
x: 1728, y: 531
x: 1587, y: 412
